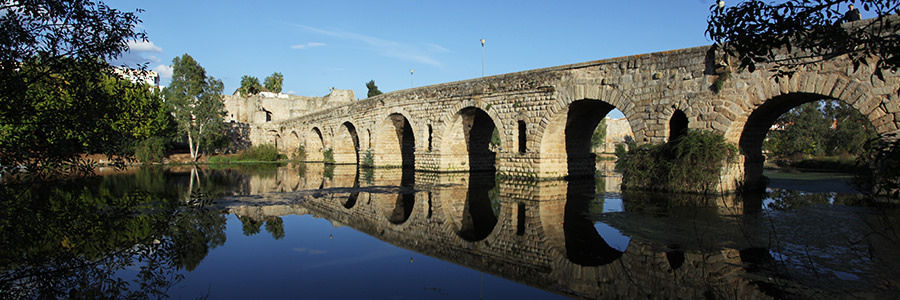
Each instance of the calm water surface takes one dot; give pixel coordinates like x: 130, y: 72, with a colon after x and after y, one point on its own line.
x: 311, y: 231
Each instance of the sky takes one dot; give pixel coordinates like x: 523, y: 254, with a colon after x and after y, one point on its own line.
x: 344, y: 44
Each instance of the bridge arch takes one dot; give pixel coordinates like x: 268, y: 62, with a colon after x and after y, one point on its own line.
x: 314, y: 144
x: 346, y: 144
x: 292, y: 142
x: 762, y: 109
x: 568, y: 124
x: 395, y: 142
x: 466, y: 141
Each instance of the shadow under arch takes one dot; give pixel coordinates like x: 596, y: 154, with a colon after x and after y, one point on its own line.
x: 568, y: 136
x: 466, y: 144
x: 395, y: 143
x: 346, y: 145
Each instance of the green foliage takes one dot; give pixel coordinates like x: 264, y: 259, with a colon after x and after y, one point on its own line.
x: 50, y: 105
x: 328, y: 172
x: 78, y: 237
x: 263, y: 152
x: 369, y: 175
x: 275, y: 227
x: 250, y: 226
x: 720, y: 82
x: 328, y: 156
x: 152, y: 149
x: 692, y: 163
x: 829, y: 128
x: 752, y: 30
x: 599, y: 135
x: 300, y: 153
x: 495, y: 138
x: 63, y: 114
x: 250, y: 86
x: 373, y: 89
x: 196, y: 102
x: 621, y: 150
x: 882, y: 158
x: 368, y: 160
x: 273, y: 82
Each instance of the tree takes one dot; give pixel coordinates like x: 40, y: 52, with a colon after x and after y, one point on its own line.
x: 804, y: 131
x: 755, y: 32
x: 820, y: 128
x: 49, y: 101
x: 599, y: 135
x: 373, y: 90
x: 196, y: 102
x: 250, y: 85
x: 273, y: 82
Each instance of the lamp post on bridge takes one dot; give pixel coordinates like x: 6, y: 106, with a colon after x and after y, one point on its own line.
x: 482, y: 57
x: 410, y: 78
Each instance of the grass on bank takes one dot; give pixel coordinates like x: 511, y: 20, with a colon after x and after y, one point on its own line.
x: 257, y: 153
x: 847, y: 164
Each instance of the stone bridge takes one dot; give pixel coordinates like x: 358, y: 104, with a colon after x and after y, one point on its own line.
x: 532, y: 232
x: 544, y: 118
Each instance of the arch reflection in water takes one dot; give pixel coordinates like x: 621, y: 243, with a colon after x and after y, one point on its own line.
x: 584, y: 244
x: 396, y: 207
x: 478, y: 211
x: 547, y: 235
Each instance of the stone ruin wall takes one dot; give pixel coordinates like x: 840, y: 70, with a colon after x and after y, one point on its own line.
x: 271, y: 107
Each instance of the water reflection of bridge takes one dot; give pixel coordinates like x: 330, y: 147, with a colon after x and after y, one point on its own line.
x: 540, y: 233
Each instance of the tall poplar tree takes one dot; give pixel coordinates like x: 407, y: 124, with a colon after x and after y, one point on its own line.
x: 196, y: 101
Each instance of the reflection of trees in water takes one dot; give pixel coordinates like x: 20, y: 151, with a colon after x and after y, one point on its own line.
x: 829, y: 241
x: 73, y: 239
x: 252, y: 226
x: 782, y: 199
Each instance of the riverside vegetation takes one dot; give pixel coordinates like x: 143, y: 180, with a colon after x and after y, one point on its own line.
x: 691, y: 163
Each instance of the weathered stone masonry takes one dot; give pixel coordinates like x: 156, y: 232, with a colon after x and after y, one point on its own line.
x: 445, y: 127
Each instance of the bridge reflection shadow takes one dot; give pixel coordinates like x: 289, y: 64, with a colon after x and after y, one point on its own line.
x: 584, y: 245
x: 544, y: 233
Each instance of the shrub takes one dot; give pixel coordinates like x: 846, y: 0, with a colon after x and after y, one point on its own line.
x: 328, y: 156
x: 882, y: 173
x: 152, y: 149
x: 220, y: 160
x: 692, y: 163
x: 368, y: 160
x: 300, y: 153
x: 495, y: 138
x: 264, y: 152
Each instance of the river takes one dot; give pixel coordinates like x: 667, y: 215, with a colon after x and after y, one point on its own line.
x: 312, y: 231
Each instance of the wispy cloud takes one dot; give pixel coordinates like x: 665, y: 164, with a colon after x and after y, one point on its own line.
x: 138, y: 54
x: 143, y: 46
x: 308, y: 45
x: 420, y: 54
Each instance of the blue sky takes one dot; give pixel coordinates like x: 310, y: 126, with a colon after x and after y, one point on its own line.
x: 344, y: 44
